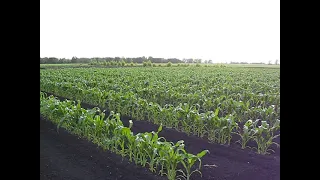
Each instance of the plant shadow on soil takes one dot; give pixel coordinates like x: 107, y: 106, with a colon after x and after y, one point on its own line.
x: 222, y: 163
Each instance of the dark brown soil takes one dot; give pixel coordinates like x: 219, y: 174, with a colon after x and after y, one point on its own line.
x: 232, y: 163
x: 65, y: 156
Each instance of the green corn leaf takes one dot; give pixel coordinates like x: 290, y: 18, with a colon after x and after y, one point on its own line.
x: 202, y: 153
x: 160, y: 128
x: 216, y: 112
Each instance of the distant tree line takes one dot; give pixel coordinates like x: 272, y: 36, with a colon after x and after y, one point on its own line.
x: 54, y: 60
x: 246, y: 62
x: 269, y: 63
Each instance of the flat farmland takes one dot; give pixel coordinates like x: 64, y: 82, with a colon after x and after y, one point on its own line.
x: 217, y: 122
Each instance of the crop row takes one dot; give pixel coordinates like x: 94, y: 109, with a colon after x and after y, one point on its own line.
x: 184, y: 117
x: 245, y: 95
x: 145, y: 149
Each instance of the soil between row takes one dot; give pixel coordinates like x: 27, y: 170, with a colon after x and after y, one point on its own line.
x: 223, y: 162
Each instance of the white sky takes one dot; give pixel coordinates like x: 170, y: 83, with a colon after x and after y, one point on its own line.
x: 221, y: 30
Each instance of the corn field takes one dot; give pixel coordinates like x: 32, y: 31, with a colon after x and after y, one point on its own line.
x: 218, y: 104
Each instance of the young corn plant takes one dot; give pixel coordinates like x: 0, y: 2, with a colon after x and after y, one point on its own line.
x: 211, y: 127
x: 197, y: 124
x: 220, y: 126
x: 98, y: 128
x: 179, y: 114
x: 246, y: 134
x: 136, y: 148
x: 123, y: 138
x: 86, y: 122
x: 170, y: 120
x: 264, y: 135
x: 171, y: 157
x: 116, y: 135
x: 201, y: 124
x: 188, y: 161
x: 144, y: 146
x: 230, y: 128
x: 154, y: 146
x: 188, y: 114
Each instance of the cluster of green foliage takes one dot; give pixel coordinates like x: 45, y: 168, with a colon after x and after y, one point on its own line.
x: 54, y: 60
x: 213, y: 104
x: 145, y: 149
x: 121, y: 63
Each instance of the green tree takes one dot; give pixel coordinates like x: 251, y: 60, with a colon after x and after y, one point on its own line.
x: 74, y: 59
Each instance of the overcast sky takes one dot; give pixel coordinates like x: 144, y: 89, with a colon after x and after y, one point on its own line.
x: 220, y: 30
